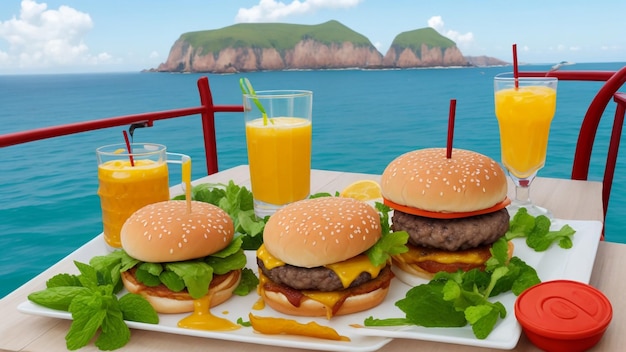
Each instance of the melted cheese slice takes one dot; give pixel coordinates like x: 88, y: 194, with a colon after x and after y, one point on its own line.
x: 350, y: 269
x: 415, y: 256
x: 347, y: 270
x: 269, y: 260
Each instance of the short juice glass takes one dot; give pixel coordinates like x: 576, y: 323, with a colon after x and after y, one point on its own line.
x: 279, y: 147
x: 125, y: 187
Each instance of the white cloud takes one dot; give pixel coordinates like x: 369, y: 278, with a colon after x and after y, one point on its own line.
x: 43, y: 38
x: 603, y: 47
x: 272, y: 10
x: 563, y: 47
x: 462, y: 40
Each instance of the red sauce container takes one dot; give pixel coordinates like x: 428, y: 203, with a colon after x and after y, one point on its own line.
x: 563, y: 315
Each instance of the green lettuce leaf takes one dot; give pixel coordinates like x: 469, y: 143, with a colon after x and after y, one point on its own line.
x: 197, y: 276
x: 248, y: 282
x: 148, y: 273
x: 232, y: 248
x: 224, y: 265
x: 172, y: 281
x: 390, y: 243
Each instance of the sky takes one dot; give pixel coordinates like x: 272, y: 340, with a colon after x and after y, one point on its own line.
x: 72, y: 36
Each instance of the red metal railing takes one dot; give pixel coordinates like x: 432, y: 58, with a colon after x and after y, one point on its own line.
x: 582, y: 157
x: 586, y: 138
x: 207, y: 111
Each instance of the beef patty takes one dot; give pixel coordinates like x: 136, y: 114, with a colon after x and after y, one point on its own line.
x: 452, y: 234
x: 317, y: 278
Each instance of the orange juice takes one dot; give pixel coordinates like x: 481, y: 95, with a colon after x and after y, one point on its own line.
x: 279, y: 155
x: 524, y: 116
x: 123, y: 189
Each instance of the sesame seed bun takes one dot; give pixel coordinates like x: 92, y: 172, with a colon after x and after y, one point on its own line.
x: 166, y: 232
x: 321, y: 231
x: 425, y: 179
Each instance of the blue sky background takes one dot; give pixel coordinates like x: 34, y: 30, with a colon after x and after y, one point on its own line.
x: 55, y: 36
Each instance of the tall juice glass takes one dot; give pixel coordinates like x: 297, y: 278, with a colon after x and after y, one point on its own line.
x: 279, y: 147
x: 126, y: 186
x: 524, y: 112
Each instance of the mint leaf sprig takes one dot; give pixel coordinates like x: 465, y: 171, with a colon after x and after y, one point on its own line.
x: 461, y: 298
x: 96, y: 310
x: 537, y: 232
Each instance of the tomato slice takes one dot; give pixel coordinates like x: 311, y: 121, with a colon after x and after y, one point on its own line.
x: 444, y: 215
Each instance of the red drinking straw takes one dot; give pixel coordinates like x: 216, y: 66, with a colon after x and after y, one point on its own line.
x: 450, y: 128
x: 515, y: 71
x: 130, y: 152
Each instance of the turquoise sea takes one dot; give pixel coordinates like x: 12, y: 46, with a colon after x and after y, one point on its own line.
x: 362, y: 120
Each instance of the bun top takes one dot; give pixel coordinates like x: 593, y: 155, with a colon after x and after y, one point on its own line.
x: 427, y: 180
x: 165, y: 232
x: 320, y: 231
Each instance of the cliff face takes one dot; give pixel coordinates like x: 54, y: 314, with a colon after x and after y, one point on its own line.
x: 426, y: 57
x: 307, y: 54
x: 331, y: 45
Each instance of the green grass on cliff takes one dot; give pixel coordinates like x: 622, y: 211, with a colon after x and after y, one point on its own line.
x: 415, y: 39
x: 280, y: 36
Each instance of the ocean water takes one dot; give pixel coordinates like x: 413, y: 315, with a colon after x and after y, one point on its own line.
x: 361, y: 121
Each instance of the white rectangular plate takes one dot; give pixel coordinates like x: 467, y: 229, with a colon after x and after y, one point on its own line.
x: 556, y: 263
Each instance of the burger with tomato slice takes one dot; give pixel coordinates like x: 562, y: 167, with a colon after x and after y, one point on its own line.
x: 452, y: 208
x: 326, y: 257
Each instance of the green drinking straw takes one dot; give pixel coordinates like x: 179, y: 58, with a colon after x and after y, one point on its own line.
x: 246, y: 88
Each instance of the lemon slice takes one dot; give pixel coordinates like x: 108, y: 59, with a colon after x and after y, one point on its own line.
x: 363, y: 190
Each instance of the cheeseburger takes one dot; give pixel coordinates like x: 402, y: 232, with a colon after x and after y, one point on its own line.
x: 179, y: 256
x: 313, y: 260
x: 453, y: 209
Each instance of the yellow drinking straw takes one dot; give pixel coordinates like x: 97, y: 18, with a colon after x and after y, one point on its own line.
x: 246, y: 88
x: 186, y: 174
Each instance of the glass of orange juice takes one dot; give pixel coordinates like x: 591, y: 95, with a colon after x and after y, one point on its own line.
x: 278, y: 136
x: 129, y: 181
x: 524, y: 107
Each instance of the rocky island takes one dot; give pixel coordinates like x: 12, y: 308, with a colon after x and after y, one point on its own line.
x: 248, y: 47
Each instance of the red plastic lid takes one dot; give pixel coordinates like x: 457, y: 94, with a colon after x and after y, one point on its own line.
x: 563, y: 309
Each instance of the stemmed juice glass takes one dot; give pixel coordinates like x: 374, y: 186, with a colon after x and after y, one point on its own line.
x: 524, y: 108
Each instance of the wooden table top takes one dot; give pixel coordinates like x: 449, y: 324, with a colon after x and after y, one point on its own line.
x: 568, y: 199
